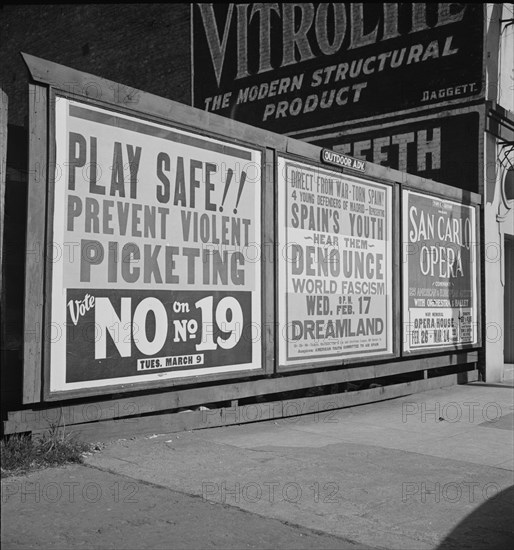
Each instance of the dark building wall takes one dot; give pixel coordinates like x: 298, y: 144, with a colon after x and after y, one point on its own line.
x: 148, y: 46
x: 389, y: 89
x: 145, y: 46
x: 141, y: 45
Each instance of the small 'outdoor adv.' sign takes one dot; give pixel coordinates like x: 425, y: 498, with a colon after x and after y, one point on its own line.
x: 338, y: 159
x: 157, y: 232
x: 335, y: 265
x: 439, y: 273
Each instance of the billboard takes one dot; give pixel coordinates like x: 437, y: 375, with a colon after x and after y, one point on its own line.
x: 154, y: 231
x: 311, y: 66
x: 335, y: 266
x: 440, y: 267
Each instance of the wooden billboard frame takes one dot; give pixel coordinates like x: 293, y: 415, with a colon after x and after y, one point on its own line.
x: 4, y: 109
x: 158, y: 396
x: 36, y: 227
x: 311, y: 157
x: 310, y: 154
x: 477, y: 262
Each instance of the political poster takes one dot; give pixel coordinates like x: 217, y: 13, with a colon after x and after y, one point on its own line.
x: 335, y: 262
x: 155, y: 268
x: 439, y: 273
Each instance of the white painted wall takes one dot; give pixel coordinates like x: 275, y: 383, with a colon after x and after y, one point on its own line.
x: 498, y: 219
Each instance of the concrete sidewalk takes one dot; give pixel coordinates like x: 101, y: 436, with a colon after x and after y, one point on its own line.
x: 431, y: 470
x: 83, y: 507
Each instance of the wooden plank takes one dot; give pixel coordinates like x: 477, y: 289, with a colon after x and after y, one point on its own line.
x: 102, y: 90
x: 127, y: 406
x: 276, y: 333
x: 304, y: 149
x: 397, y: 274
x: 124, y: 407
x: 49, y: 266
x: 3, y: 163
x: 268, y: 262
x: 481, y: 150
x: 172, y: 385
x: 35, y: 245
x: 479, y: 263
x: 439, y: 190
x: 145, y: 404
x: 257, y: 412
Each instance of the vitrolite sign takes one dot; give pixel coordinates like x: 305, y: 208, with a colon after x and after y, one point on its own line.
x: 290, y: 67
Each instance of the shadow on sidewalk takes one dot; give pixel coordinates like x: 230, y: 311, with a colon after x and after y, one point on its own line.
x: 508, y: 384
x: 489, y: 527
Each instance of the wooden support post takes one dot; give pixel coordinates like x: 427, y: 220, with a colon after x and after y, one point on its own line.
x: 3, y: 160
x: 35, y: 247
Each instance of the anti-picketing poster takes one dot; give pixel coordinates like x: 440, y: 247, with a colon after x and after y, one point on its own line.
x: 335, y: 266
x: 439, y: 273
x: 156, y: 266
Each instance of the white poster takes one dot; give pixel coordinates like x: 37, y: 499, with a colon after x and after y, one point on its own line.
x: 156, y: 252
x: 335, y: 265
